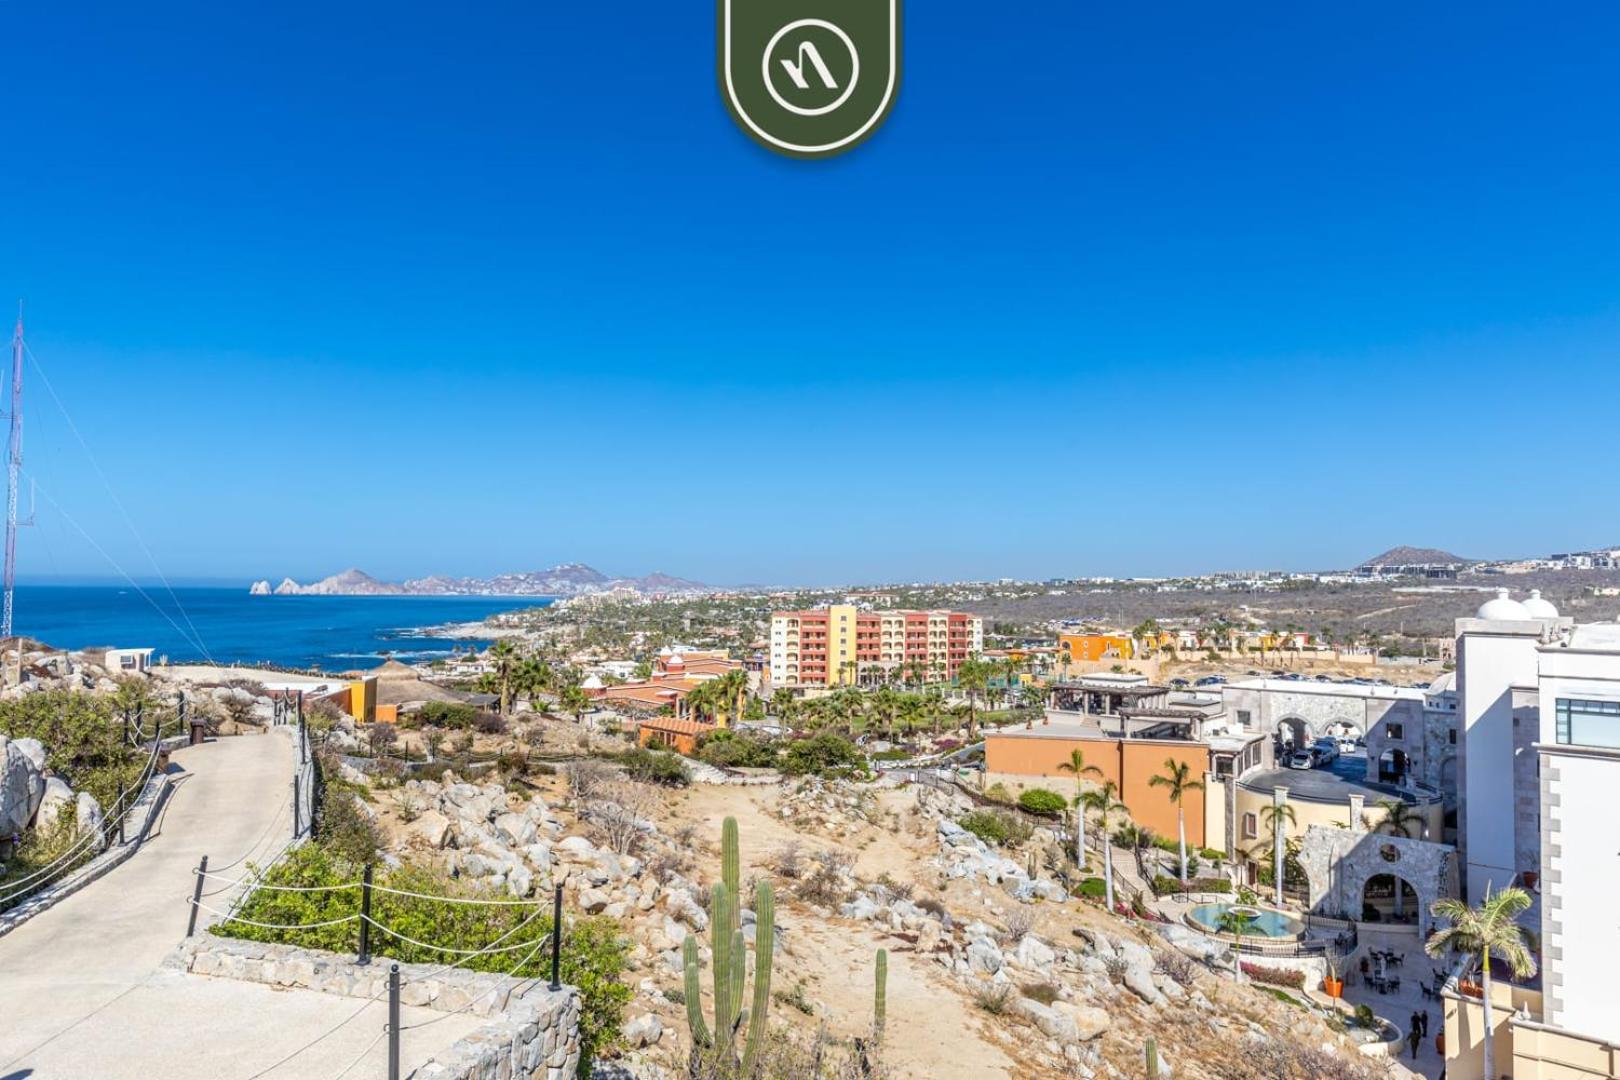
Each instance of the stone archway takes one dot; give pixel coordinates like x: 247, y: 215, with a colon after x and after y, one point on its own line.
x: 1339, y: 863
x: 1388, y: 898
x: 1295, y: 731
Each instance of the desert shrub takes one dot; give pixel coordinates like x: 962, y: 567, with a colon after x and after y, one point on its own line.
x: 1164, y: 885
x: 488, y: 723
x: 341, y: 826
x: 993, y: 998
x: 795, y: 997
x: 656, y: 767
x: 789, y: 860
x: 729, y: 750
x: 1115, y: 967
x: 1365, y: 1017
x: 825, y: 755
x: 1019, y: 921
x: 450, y: 715
x: 997, y: 792
x: 1286, y: 1059
x: 1043, y: 802
x: 933, y: 907
x: 594, y: 953
x: 1275, y: 976
x: 1045, y: 993
x: 897, y: 890
x: 1210, y: 884
x: 827, y: 883
x: 1178, y: 966
x: 997, y: 827
x: 1093, y: 888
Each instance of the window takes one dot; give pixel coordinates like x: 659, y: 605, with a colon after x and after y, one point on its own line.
x: 1395, y: 731
x: 1244, y: 717
x: 1451, y: 736
x: 1588, y: 723
x: 1251, y: 826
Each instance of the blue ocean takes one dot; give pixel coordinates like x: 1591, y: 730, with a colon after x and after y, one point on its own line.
x: 333, y: 633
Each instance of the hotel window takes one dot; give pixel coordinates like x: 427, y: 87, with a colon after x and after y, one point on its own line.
x: 1251, y: 826
x: 1244, y: 717
x: 1395, y: 731
x: 1588, y: 723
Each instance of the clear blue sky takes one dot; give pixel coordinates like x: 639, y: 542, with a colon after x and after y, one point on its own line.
x: 1118, y: 289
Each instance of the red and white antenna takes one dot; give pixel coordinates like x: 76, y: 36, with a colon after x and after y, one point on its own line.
x: 13, y: 468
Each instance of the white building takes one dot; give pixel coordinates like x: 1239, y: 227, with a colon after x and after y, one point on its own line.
x: 1539, y: 702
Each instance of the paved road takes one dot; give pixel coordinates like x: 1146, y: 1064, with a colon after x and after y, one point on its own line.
x: 83, y: 992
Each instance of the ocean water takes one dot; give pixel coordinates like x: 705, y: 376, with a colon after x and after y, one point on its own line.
x: 334, y: 633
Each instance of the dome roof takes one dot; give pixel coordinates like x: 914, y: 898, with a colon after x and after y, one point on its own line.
x: 592, y: 682
x: 1503, y: 608
x: 1539, y: 608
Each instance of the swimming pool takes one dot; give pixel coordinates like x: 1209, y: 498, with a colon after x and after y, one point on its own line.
x: 1264, y: 922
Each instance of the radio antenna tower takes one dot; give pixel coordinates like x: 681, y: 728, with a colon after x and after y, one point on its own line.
x: 13, y: 468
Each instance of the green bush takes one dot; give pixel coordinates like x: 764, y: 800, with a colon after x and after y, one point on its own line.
x: 997, y: 827
x: 730, y: 750
x: 83, y: 736
x: 1164, y: 885
x: 1094, y: 888
x: 825, y: 755
x: 656, y: 767
x: 1043, y: 802
x: 1209, y: 884
x: 594, y: 954
x: 450, y: 715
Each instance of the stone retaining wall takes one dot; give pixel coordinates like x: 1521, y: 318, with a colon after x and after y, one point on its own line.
x: 531, y: 1032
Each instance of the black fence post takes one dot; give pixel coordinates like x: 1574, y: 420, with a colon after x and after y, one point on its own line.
x: 556, y: 939
x: 296, y: 808
x: 123, y: 811
x: 393, y: 1022
x: 364, y: 956
x: 196, y: 897
x: 303, y: 742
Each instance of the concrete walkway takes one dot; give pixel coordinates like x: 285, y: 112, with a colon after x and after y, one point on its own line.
x: 84, y: 993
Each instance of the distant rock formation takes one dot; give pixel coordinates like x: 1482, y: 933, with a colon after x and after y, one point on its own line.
x: 569, y: 579
x: 1415, y: 556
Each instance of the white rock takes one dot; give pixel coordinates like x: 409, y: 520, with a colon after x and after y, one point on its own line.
x: 644, y: 1030
x: 1033, y: 954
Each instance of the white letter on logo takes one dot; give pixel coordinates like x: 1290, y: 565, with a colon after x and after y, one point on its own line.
x: 807, y: 50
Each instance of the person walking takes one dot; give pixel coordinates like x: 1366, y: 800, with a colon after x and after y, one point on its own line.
x: 1424, y: 1017
x: 1412, y: 1040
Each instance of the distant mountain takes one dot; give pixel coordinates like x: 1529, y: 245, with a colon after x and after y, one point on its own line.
x: 1415, y: 556
x: 569, y: 579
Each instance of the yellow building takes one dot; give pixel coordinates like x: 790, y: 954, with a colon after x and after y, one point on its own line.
x: 1093, y: 647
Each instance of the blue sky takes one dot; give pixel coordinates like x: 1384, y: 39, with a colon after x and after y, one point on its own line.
x: 1114, y: 291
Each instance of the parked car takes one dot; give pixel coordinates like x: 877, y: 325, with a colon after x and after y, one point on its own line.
x: 1347, y: 745
x: 1302, y: 759
x: 1179, y: 683
x: 1210, y: 680
x: 1326, y: 750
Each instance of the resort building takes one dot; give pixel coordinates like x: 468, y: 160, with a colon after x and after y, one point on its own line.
x: 674, y: 675
x: 1089, y: 648
x: 841, y: 645
x: 1539, y: 701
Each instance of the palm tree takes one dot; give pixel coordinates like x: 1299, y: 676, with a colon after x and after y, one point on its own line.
x: 1236, y: 923
x: 1490, y: 930
x: 974, y: 677
x: 1104, y: 799
x: 1077, y: 765
x: 732, y: 690
x: 1177, y: 778
x: 576, y: 701
x: 504, y: 655
x: 1064, y: 659
x: 1400, y: 818
x: 1278, y: 816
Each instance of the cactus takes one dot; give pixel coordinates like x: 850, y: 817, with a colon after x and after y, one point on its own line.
x: 1151, y: 1052
x: 880, y: 997
x: 730, y: 975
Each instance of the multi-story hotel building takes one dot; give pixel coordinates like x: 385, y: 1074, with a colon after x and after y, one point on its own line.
x: 840, y: 645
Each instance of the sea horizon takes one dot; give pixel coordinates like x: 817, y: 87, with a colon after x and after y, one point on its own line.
x: 228, y: 625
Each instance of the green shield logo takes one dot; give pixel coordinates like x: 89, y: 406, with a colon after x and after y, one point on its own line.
x: 809, y: 78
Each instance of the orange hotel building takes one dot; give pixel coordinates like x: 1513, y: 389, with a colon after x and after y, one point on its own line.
x: 838, y: 644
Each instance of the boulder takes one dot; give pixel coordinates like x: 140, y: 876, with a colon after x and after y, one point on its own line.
x: 593, y: 901
x: 1033, y: 954
x: 1089, y: 1021
x: 1051, y: 1022
x: 34, y: 751
x: 432, y: 827
x: 644, y: 1030
x: 88, y: 813
x: 57, y: 795
x: 516, y: 830
x: 984, y: 956
x: 21, y: 786
x: 1189, y: 941
x: 1139, y: 980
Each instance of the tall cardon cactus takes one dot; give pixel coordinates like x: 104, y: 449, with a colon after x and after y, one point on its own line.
x: 730, y: 965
